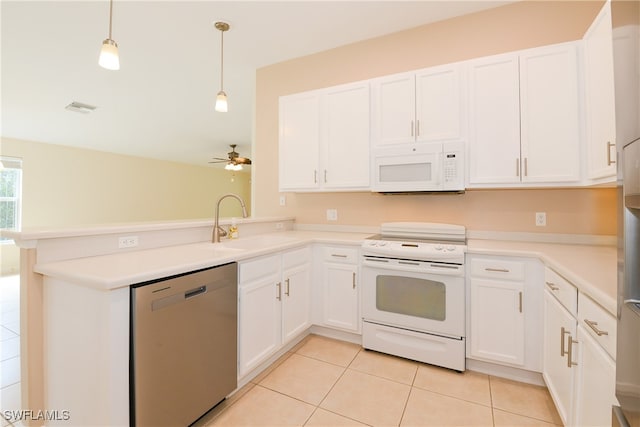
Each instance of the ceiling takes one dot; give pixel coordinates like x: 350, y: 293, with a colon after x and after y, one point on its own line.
x: 160, y: 103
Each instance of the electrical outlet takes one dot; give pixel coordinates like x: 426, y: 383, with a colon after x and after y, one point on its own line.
x: 283, y: 200
x: 332, y: 214
x: 279, y: 226
x: 127, y: 242
x: 541, y: 219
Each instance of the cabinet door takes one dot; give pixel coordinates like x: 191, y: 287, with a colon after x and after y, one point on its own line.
x: 559, y: 330
x: 394, y: 110
x: 299, y: 141
x: 596, y: 384
x: 260, y: 322
x: 600, y: 103
x: 346, y: 137
x: 341, y: 296
x: 295, y: 301
x: 550, y: 125
x: 439, y: 104
x: 494, y: 125
x: 497, y: 321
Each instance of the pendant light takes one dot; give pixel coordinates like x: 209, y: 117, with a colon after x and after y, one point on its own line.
x: 109, y: 53
x: 221, y: 99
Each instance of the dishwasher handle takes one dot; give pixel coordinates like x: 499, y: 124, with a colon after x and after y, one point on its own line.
x: 195, y: 292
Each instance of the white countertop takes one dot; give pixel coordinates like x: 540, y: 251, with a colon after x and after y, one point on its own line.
x: 107, y: 272
x: 592, y: 269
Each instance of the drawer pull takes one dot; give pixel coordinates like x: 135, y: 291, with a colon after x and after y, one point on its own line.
x: 497, y: 270
x: 338, y: 255
x: 354, y: 280
x: 552, y: 286
x: 570, y: 361
x: 594, y: 326
x: 563, y: 332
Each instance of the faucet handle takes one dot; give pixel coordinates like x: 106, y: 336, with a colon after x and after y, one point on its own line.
x: 222, y: 232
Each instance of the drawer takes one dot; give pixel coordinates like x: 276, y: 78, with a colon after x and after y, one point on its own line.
x: 598, y: 322
x: 497, y: 269
x: 296, y: 257
x: 340, y: 254
x: 260, y: 268
x: 563, y: 290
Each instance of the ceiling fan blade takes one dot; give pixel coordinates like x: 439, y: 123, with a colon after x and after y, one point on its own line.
x: 242, y: 160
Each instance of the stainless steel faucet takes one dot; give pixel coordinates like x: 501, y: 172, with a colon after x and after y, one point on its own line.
x: 219, y: 231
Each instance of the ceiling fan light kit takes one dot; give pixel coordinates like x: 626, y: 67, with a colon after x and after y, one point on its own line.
x: 109, y: 58
x: 233, y: 161
x: 221, y: 99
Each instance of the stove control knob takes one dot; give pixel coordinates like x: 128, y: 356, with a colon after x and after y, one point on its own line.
x: 438, y: 247
x: 451, y: 248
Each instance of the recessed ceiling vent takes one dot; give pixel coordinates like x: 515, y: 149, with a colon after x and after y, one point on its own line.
x: 79, y: 107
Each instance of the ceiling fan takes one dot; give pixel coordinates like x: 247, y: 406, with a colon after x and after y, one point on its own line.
x: 233, y: 161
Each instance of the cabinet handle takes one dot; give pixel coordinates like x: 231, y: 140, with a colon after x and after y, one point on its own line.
x: 354, y: 280
x: 417, y: 127
x: 520, y: 301
x: 497, y: 270
x: 570, y: 361
x: 338, y: 255
x: 552, y: 286
x: 526, y: 167
x: 315, y: 176
x: 593, y: 325
x: 279, y: 294
x: 609, y: 161
x: 325, y: 176
x: 563, y: 332
x: 286, y: 292
x: 517, y: 167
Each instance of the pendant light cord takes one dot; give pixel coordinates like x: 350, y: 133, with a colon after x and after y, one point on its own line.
x: 221, y: 59
x: 110, y: 16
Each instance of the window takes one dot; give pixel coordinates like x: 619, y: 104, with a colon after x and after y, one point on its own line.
x: 10, y: 194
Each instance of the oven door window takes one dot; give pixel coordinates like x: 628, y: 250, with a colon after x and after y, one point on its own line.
x: 411, y: 296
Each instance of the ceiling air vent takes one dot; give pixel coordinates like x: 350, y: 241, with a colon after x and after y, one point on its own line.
x: 79, y: 107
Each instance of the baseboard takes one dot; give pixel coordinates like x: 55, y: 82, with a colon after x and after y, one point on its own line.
x: 507, y: 372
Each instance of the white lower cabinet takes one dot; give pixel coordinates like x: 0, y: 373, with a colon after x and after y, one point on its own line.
x: 595, y: 387
x: 340, y: 288
x: 579, y: 345
x: 274, y: 301
x: 558, y: 372
x: 504, y: 311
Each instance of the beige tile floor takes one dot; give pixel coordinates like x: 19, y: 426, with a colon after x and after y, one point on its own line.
x: 9, y: 345
x: 324, y: 382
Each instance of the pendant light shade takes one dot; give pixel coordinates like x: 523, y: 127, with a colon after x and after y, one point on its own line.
x: 221, y: 99
x: 109, y: 58
x: 221, y: 102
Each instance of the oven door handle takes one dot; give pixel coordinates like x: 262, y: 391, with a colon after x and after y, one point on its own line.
x: 413, y: 266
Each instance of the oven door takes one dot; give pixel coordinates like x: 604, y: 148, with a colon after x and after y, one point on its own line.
x: 417, y: 295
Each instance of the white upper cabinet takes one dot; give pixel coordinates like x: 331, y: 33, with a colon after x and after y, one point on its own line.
x: 299, y: 141
x: 324, y: 139
x: 494, y: 126
x: 525, y: 118
x: 600, y: 100
x: 421, y: 106
x: 549, y: 116
x: 345, y: 142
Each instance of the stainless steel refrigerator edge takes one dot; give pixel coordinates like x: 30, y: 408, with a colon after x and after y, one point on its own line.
x: 626, y: 58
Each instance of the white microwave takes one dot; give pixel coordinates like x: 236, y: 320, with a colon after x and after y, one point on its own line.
x: 419, y: 167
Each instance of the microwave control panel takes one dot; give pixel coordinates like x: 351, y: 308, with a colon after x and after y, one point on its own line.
x: 452, y: 169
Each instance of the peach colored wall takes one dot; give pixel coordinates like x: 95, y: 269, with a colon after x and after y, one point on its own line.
x: 516, y: 26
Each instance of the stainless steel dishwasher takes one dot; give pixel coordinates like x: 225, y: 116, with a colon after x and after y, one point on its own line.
x: 183, y: 358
